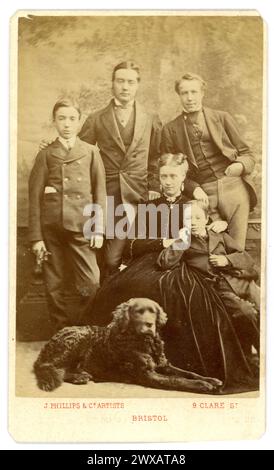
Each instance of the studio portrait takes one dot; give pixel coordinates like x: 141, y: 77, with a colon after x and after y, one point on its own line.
x: 139, y: 218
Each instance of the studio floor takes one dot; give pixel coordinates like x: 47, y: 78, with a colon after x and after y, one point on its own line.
x: 26, y: 354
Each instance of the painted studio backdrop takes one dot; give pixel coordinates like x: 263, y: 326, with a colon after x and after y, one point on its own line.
x: 77, y: 54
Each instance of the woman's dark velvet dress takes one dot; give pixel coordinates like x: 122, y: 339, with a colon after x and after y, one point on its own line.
x: 199, y: 335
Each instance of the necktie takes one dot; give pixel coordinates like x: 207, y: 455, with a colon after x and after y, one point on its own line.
x: 194, y: 119
x: 123, y: 113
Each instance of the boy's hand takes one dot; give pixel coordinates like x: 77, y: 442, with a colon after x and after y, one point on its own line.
x: 218, y: 226
x: 153, y: 195
x: 40, y: 251
x: 45, y: 143
x: 200, y: 195
x: 38, y: 247
x: 96, y: 242
x: 235, y: 169
x: 219, y: 261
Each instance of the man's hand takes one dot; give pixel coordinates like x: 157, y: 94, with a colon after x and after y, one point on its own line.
x: 218, y: 226
x: 200, y: 195
x: 235, y: 169
x: 45, y: 143
x: 96, y: 242
x: 219, y: 261
x: 153, y: 195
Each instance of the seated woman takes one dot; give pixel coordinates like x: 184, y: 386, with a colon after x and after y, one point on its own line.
x: 199, y: 335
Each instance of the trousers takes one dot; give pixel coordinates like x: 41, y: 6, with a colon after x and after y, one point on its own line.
x: 229, y: 200
x: 243, y: 310
x: 71, y: 257
x: 116, y: 240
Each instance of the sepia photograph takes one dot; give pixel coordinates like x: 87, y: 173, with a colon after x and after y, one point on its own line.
x: 137, y: 190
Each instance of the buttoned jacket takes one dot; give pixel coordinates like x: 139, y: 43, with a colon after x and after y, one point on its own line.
x: 131, y: 172
x: 224, y: 134
x: 76, y: 178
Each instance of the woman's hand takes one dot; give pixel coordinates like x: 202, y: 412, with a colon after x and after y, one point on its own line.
x: 168, y: 241
x: 96, y: 242
x: 184, y: 236
x: 219, y: 261
x: 180, y: 244
x: 218, y: 226
x: 200, y: 195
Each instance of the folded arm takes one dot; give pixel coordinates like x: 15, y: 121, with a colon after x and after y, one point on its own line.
x: 237, y: 257
x: 169, y: 258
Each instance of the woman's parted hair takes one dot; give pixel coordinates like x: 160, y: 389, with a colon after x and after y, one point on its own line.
x: 173, y: 159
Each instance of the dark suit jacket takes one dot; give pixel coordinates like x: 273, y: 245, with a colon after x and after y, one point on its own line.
x: 79, y: 178
x: 197, y: 256
x: 129, y: 174
x: 225, y: 135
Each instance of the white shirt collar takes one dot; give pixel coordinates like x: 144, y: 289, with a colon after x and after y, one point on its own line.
x: 173, y: 198
x: 190, y: 112
x: 67, y: 143
x: 127, y: 106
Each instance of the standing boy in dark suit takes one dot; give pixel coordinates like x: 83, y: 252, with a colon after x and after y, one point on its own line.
x: 220, y: 161
x: 67, y: 176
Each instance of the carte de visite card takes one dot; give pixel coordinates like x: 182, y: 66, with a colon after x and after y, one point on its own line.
x: 137, y: 226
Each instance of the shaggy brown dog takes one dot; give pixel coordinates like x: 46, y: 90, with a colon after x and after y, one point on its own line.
x: 128, y: 350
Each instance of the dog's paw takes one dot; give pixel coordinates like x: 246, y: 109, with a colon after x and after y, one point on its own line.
x: 82, y: 378
x: 78, y: 378
x: 46, y: 386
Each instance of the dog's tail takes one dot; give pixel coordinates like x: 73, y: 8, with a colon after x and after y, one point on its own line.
x: 48, y: 376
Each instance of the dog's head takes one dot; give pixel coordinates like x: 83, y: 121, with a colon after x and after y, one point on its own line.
x: 142, y: 315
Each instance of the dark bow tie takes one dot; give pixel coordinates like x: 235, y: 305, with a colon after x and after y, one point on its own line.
x: 122, y: 106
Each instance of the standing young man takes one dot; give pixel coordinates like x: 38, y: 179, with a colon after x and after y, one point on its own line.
x: 220, y: 161
x: 129, y: 141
